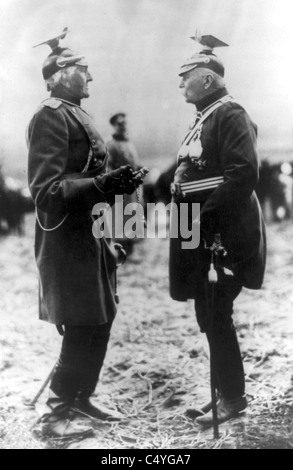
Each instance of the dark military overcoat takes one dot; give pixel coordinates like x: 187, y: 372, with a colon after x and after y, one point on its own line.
x: 76, y: 270
x: 228, y: 140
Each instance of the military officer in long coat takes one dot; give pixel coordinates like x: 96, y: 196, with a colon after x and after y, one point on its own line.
x: 67, y: 171
x: 218, y: 168
x: 122, y: 151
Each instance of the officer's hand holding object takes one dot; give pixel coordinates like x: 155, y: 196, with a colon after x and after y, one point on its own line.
x: 121, y: 181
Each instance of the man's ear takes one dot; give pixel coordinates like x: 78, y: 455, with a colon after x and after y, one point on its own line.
x: 208, y: 80
x: 65, y: 79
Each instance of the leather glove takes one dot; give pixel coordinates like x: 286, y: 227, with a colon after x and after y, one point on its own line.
x: 120, y: 181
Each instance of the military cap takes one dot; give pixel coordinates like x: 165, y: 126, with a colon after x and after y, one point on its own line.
x: 205, y: 58
x: 60, y: 57
x: 115, y: 116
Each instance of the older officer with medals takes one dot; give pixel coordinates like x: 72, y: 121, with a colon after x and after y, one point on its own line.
x: 218, y: 168
x: 67, y: 173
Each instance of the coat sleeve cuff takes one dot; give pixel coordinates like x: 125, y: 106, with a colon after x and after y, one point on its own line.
x: 109, y: 196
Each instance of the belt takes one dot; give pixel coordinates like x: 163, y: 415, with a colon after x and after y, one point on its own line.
x: 195, y: 186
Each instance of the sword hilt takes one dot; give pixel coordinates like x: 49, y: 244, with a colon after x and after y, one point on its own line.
x: 216, y: 249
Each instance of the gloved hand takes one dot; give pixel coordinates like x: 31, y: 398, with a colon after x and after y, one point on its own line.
x: 120, y: 181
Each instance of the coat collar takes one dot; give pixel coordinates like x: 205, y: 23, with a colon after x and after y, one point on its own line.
x: 64, y: 95
x: 119, y: 137
x: 205, y: 102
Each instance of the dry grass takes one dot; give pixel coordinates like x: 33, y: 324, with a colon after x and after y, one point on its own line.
x: 157, y: 364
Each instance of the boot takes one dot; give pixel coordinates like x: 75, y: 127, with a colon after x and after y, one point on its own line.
x: 63, y: 428
x: 56, y: 423
x: 196, y: 412
x: 85, y: 407
x: 226, y: 409
x: 193, y: 413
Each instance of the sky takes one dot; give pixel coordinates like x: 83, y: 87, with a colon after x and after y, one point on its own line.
x: 135, y: 49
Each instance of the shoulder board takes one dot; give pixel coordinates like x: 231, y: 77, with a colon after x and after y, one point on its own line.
x: 52, y: 103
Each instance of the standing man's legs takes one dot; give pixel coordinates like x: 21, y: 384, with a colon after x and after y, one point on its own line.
x: 97, y: 349
x: 223, y: 342
x: 77, y: 372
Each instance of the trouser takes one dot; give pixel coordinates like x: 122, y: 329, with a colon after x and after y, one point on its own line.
x: 78, y: 368
x: 221, y: 335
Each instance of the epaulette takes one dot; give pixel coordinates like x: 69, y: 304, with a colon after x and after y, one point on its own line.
x: 52, y: 103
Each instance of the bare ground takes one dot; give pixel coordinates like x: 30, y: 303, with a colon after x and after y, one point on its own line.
x: 157, y: 364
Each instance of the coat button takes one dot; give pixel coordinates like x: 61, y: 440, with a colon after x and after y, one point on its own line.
x: 93, y: 141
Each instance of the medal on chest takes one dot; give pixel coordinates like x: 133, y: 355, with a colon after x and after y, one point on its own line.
x: 195, y: 152
x: 183, y: 151
x: 195, y: 149
x: 192, y: 149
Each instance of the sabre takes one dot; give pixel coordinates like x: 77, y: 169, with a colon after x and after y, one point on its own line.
x: 32, y: 403
x: 216, y: 249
